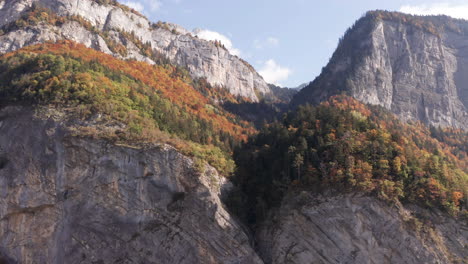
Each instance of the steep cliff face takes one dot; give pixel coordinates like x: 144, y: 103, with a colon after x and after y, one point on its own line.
x: 202, y: 58
x: 357, y: 229
x: 414, y: 66
x: 66, y: 199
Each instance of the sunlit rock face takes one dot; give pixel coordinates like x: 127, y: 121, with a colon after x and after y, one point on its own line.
x: 418, y: 70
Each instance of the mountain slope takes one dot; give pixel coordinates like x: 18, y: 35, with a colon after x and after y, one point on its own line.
x: 115, y: 29
x: 143, y: 102
x: 414, y: 66
x: 343, y: 182
x: 345, y: 145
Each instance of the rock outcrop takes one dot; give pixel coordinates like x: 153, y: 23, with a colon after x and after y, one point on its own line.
x: 417, y: 67
x: 358, y: 229
x: 202, y: 58
x: 66, y: 199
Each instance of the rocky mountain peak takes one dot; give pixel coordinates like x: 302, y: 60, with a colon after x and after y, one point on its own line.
x: 414, y: 66
x: 118, y: 30
x: 106, y: 160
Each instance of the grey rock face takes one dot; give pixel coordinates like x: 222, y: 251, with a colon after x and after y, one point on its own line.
x: 71, y: 200
x: 356, y: 229
x: 415, y: 73
x: 202, y: 58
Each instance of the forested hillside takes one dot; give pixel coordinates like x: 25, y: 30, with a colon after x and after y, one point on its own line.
x: 154, y: 103
x: 345, y: 146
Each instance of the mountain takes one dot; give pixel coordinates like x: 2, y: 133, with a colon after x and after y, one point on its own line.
x: 282, y: 93
x: 413, y: 66
x: 300, y: 87
x: 118, y: 30
x: 108, y: 159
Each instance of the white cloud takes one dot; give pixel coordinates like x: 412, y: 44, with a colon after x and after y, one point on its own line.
x: 144, y: 5
x: 269, y: 42
x: 449, y: 9
x: 213, y: 35
x: 274, y: 73
x: 273, y: 41
x: 135, y: 5
x: 155, y: 5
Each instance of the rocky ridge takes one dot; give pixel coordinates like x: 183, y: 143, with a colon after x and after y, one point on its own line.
x: 203, y: 59
x: 414, y: 66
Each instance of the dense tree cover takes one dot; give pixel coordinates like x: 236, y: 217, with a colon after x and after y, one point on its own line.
x: 456, y: 138
x: 161, y: 78
x: 216, y: 94
x: 149, y: 99
x: 267, y: 110
x: 344, y: 145
x: 259, y: 113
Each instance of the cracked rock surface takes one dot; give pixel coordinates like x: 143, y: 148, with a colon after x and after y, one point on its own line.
x: 65, y: 199
x: 358, y: 229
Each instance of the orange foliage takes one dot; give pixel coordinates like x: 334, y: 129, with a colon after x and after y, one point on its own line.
x: 406, y: 132
x: 456, y: 197
x: 156, y: 77
x: 349, y: 103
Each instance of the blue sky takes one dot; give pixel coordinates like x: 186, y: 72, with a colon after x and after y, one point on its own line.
x: 288, y: 42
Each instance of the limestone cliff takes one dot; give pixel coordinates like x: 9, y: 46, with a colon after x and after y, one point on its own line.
x: 416, y: 67
x: 357, y: 229
x: 66, y: 199
x: 202, y: 58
